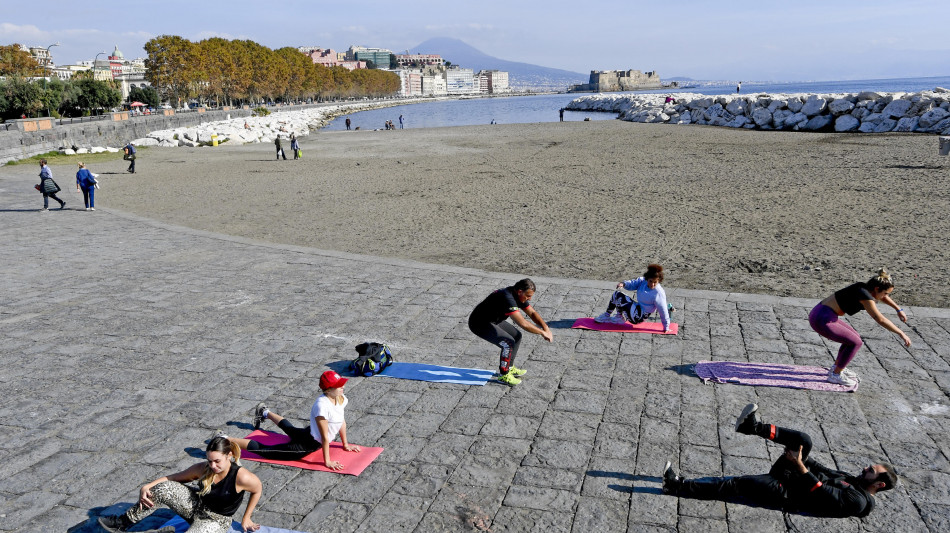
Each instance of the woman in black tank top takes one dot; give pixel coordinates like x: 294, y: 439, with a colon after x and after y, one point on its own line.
x: 221, y: 487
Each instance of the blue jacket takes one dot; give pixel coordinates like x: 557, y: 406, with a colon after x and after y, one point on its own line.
x: 84, y: 178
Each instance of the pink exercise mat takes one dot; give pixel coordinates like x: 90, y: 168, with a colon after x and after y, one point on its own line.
x: 768, y: 375
x: 642, y: 327
x: 353, y: 463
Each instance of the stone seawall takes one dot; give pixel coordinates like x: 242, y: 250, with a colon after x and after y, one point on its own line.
x: 866, y: 112
x: 26, y: 138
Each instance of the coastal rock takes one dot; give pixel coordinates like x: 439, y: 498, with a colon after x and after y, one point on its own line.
x: 840, y: 106
x: 817, y: 122
x: 933, y: 116
x: 67, y: 151
x: 82, y: 151
x: 860, y: 112
x: 814, y: 105
x: 700, y: 103
x: 776, y: 105
x: 715, y: 110
x: 168, y: 144
x: 740, y: 121
x: 737, y: 106
x: 868, y: 95
x: 846, y: 123
x: 897, y: 108
x: 796, y: 121
x: 145, y: 141
x: 885, y: 125
x: 907, y: 124
x: 97, y: 150
x: 761, y: 117
x: 779, y: 117
x: 795, y: 105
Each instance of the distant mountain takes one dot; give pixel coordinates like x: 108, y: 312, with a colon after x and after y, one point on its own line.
x: 520, y: 75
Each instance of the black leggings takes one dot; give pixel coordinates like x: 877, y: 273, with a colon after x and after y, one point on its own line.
x: 301, y: 443
x: 764, y: 489
x: 505, y: 336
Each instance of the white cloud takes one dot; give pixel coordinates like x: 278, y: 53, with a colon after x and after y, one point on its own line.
x: 27, y: 34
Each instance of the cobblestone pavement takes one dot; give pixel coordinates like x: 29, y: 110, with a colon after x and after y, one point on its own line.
x: 125, y: 342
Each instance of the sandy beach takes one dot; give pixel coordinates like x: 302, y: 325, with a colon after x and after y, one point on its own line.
x: 782, y: 213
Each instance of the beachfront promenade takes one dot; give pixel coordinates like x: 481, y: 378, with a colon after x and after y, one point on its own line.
x: 125, y: 342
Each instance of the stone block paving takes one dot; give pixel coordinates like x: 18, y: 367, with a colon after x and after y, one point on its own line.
x: 125, y: 342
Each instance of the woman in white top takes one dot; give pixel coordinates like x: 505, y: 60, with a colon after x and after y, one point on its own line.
x: 326, y: 422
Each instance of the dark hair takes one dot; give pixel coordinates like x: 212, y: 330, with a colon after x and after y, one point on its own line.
x: 888, y: 477
x: 654, y: 271
x: 221, y: 445
x: 882, y: 281
x: 42, y: 161
x: 525, y: 285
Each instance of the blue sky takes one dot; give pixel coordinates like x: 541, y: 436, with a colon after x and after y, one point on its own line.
x: 728, y: 40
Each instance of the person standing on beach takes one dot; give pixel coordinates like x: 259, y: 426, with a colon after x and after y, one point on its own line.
x: 294, y: 146
x: 280, y: 149
x: 825, y: 320
x: 48, y: 187
x: 400, y: 122
x: 489, y: 321
x: 738, y: 87
x: 561, y: 113
x: 347, y: 123
x: 86, y: 183
x: 130, y: 157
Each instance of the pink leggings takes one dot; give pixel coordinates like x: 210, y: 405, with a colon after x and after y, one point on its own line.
x: 829, y: 325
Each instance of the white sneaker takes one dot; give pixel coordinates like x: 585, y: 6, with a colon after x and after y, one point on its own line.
x: 602, y: 318
x: 618, y: 319
x: 851, y: 374
x: 841, y: 379
x: 92, y: 208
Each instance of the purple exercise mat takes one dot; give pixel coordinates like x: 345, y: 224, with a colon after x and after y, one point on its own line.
x: 768, y: 375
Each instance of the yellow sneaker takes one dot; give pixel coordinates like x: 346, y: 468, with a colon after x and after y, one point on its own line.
x: 507, y: 379
x: 517, y: 372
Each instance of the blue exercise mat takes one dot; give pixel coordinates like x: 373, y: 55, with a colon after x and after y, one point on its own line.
x: 437, y: 374
x: 181, y: 526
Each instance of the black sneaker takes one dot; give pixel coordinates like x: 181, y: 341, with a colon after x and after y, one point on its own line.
x: 747, y: 420
x: 259, y: 415
x: 62, y: 205
x: 114, y: 523
x: 670, y: 479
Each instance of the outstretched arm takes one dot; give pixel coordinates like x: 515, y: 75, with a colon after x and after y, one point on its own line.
x: 247, y: 481
x: 875, y: 313
x: 541, y: 328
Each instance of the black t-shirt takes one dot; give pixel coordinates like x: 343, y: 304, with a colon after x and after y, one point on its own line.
x: 849, y: 298
x: 497, y: 307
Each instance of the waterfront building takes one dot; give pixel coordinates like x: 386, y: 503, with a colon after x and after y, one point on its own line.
x: 330, y: 58
x: 492, y: 82
x: 379, y: 56
x: 419, y: 60
x: 129, y: 73
x: 460, y: 81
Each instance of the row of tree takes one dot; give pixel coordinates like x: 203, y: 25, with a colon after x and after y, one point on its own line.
x: 242, y: 71
x: 23, y: 95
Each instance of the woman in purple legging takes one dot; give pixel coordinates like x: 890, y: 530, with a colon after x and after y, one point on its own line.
x: 825, y: 320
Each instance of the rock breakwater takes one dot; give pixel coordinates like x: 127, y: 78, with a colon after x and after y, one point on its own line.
x: 866, y: 112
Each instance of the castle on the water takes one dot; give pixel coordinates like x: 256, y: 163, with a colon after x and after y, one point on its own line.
x: 606, y: 81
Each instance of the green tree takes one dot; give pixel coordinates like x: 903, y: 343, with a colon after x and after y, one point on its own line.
x: 95, y: 95
x: 146, y: 95
x: 21, y: 97
x: 172, y: 67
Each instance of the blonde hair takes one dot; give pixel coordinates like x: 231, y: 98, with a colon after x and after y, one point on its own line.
x: 221, y: 445
x: 82, y: 165
x: 882, y: 281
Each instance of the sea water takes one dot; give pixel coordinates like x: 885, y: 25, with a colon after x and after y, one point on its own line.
x: 544, y: 108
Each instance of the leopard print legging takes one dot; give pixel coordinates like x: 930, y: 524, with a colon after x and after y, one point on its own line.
x: 186, y: 504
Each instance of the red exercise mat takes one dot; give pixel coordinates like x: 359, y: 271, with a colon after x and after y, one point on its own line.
x: 642, y: 327
x: 353, y: 463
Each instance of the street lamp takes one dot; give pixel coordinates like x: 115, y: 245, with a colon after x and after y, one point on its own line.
x: 48, y: 69
x: 95, y: 63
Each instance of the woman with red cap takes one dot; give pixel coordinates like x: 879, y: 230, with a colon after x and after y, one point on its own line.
x: 326, y: 422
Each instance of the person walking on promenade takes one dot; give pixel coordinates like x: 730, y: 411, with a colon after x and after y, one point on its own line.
x: 489, y: 321
x: 294, y: 146
x: 347, y: 123
x: 326, y: 422
x: 796, y: 483
x: 86, y: 183
x: 222, y: 483
x: 48, y: 187
x: 130, y: 157
x: 280, y: 149
x: 651, y: 298
x: 400, y: 122
x: 825, y: 320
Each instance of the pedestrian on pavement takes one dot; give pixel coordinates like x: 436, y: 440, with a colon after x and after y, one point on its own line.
x: 280, y: 149
x: 294, y: 146
x: 208, y: 507
x: 86, y: 183
x: 347, y: 123
x: 796, y: 483
x: 48, y: 187
x: 825, y: 320
x: 130, y: 156
x: 651, y: 298
x: 489, y: 321
x: 326, y: 422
